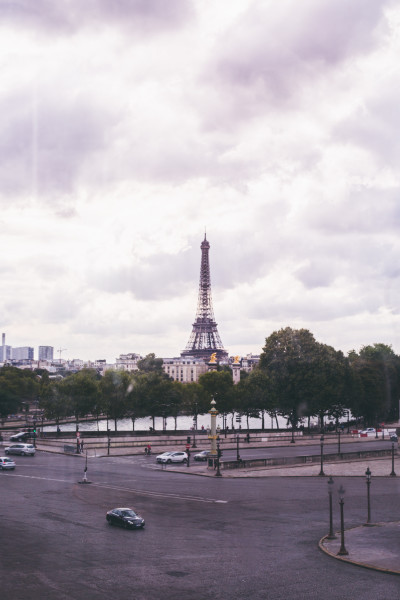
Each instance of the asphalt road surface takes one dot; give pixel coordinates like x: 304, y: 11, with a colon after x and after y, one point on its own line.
x: 205, y: 537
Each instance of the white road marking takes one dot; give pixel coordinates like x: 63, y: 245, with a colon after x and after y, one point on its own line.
x: 134, y: 490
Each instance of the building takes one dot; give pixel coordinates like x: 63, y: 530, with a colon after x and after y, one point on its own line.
x: 46, y: 353
x: 5, y: 353
x: 186, y: 369
x: 127, y: 362
x: 22, y: 353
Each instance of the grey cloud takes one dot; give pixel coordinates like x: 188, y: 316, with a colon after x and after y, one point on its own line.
x: 270, y: 55
x: 68, y: 16
x: 43, y: 150
x: 375, y: 126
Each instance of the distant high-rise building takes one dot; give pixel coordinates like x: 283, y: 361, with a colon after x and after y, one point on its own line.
x: 5, y: 353
x: 22, y: 353
x: 46, y: 352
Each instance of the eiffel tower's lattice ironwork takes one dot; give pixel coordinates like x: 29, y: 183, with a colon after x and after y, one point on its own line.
x: 204, y: 340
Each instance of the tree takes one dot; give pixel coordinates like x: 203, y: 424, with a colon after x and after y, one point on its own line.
x: 79, y: 392
x: 116, y: 389
x: 17, y: 387
x: 219, y: 385
x: 150, y: 364
x: 304, y: 375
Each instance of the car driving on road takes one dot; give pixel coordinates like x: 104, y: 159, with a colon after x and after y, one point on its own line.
x: 202, y: 455
x: 22, y: 449
x: 125, y: 517
x: 172, y: 457
x: 6, y: 463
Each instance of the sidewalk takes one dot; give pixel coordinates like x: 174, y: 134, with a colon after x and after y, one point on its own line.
x: 374, y: 547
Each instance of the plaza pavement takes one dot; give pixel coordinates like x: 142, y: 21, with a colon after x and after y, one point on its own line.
x: 374, y: 547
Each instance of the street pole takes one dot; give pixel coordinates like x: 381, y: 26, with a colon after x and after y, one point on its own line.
x: 331, y: 483
x: 368, y: 481
x: 338, y: 442
x: 342, y: 550
x: 393, y: 474
x: 218, y: 473
x: 188, y: 460
x: 237, y: 449
x: 321, y: 473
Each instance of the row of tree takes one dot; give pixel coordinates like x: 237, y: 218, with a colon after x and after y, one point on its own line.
x: 297, y: 378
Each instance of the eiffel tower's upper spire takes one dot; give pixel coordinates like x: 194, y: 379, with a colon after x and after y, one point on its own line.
x: 204, y: 339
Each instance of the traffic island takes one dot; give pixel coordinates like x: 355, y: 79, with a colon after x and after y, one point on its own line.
x: 376, y: 547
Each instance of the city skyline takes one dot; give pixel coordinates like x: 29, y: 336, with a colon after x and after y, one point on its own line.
x: 131, y: 130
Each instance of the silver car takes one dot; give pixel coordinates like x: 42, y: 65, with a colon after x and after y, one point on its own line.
x: 23, y: 449
x: 172, y: 457
x: 6, y: 463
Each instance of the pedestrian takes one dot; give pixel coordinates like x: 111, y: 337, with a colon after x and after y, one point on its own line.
x: 148, y: 448
x: 81, y: 446
x: 78, y: 446
x: 202, y: 427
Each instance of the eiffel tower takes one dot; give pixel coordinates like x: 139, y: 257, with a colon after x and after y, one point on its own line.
x: 204, y: 340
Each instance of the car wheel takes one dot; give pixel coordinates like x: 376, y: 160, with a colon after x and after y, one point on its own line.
x: 184, y: 461
x: 22, y: 453
x: 6, y: 451
x: 125, y: 525
x: 169, y: 461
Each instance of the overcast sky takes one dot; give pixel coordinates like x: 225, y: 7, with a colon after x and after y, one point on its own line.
x: 128, y: 127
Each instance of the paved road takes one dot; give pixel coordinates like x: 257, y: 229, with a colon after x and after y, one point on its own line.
x: 205, y: 538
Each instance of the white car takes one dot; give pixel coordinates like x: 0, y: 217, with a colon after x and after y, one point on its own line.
x: 6, y: 463
x: 22, y: 449
x: 367, y: 431
x: 172, y: 457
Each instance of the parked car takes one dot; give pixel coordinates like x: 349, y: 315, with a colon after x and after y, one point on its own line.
x: 23, y: 449
x: 6, y: 463
x: 202, y: 455
x: 172, y: 457
x: 393, y: 437
x: 22, y: 436
x: 125, y: 517
x: 367, y: 431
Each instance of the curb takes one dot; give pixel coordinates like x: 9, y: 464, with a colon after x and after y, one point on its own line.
x: 350, y: 561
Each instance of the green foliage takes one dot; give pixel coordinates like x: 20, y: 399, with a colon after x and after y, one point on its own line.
x: 150, y: 364
x: 17, y: 386
x: 219, y: 385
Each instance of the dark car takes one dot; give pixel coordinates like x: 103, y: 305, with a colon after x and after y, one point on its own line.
x: 202, y: 455
x: 393, y: 437
x: 22, y: 436
x: 125, y: 517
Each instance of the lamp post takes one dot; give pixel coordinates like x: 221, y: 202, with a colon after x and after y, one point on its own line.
x: 321, y: 473
x: 292, y: 441
x: 393, y: 474
x: 331, y: 483
x: 342, y: 549
x: 237, y: 449
x: 218, y: 473
x: 194, y: 425
x: 338, y: 448
x: 188, y: 455
x: 368, y: 482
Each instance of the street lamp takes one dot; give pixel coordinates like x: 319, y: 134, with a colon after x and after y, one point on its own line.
x: 331, y: 483
x: 338, y: 449
x: 368, y: 481
x: 237, y: 449
x: 194, y: 425
x: 188, y: 455
x: 218, y: 473
x: 292, y: 441
x: 342, y: 549
x: 393, y: 474
x: 321, y: 473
